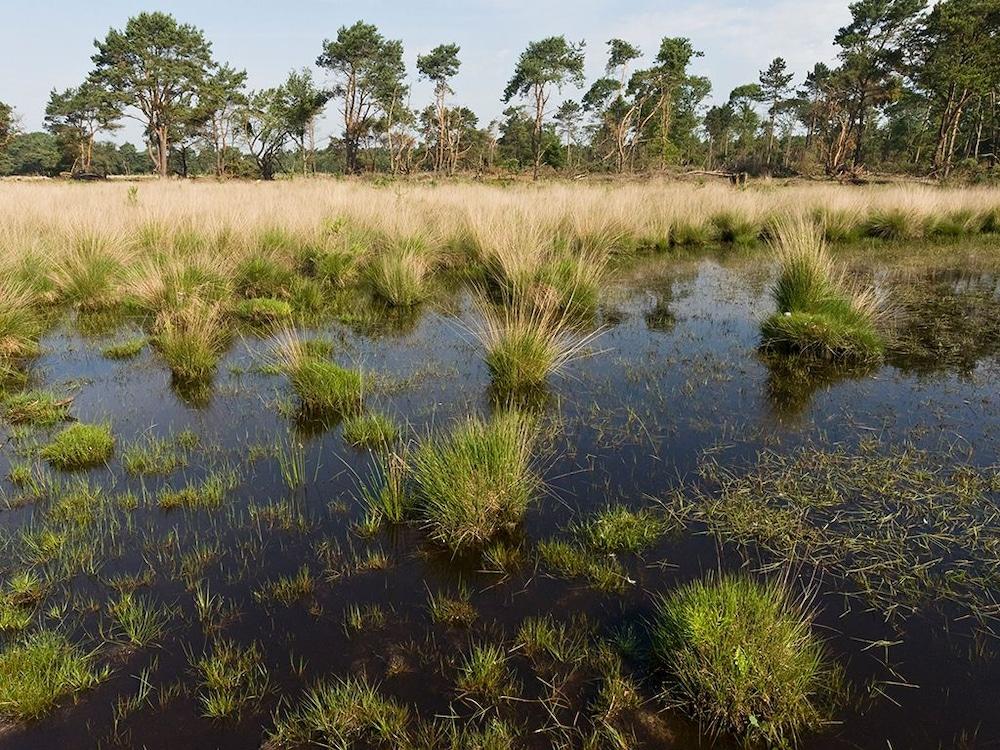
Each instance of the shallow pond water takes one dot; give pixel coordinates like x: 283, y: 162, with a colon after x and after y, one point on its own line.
x: 674, y: 380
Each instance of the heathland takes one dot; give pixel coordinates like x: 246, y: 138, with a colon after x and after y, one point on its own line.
x: 408, y: 464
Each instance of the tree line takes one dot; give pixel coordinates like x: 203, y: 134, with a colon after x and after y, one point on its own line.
x: 914, y: 89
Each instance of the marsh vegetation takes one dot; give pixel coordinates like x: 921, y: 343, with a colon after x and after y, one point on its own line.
x: 471, y: 466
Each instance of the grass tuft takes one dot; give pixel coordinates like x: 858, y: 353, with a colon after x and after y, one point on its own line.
x: 742, y: 658
x: 370, y: 430
x: 36, y: 673
x: 80, y: 446
x: 477, y: 481
x: 38, y: 408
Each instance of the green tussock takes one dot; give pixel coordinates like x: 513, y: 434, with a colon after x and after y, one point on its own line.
x: 126, y: 349
x: 818, y: 312
x: 343, y: 714
x: 232, y: 677
x: 477, y: 481
x: 370, y: 430
x: 325, y: 387
x: 618, y: 529
x: 80, y: 446
x: 40, y: 408
x: 191, y: 341
x: 208, y: 494
x: 263, y: 310
x: 741, y: 657
x: 484, y: 672
x: 399, y: 274
x: 38, y: 672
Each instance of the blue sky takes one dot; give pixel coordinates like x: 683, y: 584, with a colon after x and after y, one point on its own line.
x: 48, y: 43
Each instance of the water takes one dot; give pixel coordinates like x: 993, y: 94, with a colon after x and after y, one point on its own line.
x: 675, y: 376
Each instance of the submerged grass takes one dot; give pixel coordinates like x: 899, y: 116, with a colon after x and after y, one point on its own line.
x: 741, y: 657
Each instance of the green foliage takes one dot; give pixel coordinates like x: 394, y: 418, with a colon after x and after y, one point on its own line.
x: 742, y: 658
x: 326, y: 388
x: 36, y: 673
x: 39, y: 408
x: 477, y: 481
x: 343, y: 714
x: 263, y: 310
x: 80, y: 446
x: 126, y: 349
x: 232, y: 677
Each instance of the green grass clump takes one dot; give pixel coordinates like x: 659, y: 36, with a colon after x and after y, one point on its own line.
x: 343, y: 714
x: 399, y: 274
x: 690, y: 234
x: 954, y: 224
x: 570, y: 283
x: 18, y: 599
x: 618, y: 529
x: 574, y: 560
x: 231, y: 677
x: 893, y: 224
x: 80, y: 446
x: 36, y: 673
x: 525, y: 344
x: 191, y: 341
x: 371, y: 430
x: 735, y: 229
x: 263, y: 276
x: 20, y: 324
x: 324, y: 387
x: 126, y: 349
x: 338, y: 267
x: 139, y: 621
x: 39, y: 408
x: 89, y: 277
x: 819, y: 313
x: 484, y: 672
x: 263, y: 310
x: 741, y: 657
x: 477, y: 481
x: 152, y: 456
x: 208, y: 494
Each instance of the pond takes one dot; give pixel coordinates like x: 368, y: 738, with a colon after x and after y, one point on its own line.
x: 870, y: 489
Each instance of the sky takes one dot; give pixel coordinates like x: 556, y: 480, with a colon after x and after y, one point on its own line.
x: 46, y: 44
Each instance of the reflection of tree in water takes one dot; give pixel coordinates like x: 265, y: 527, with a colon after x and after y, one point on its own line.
x: 949, y: 323
x: 793, y: 381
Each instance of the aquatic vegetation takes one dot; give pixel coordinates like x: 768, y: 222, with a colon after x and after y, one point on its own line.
x: 452, y: 610
x: 921, y: 533
x: 39, y: 408
x: 741, y: 657
x: 138, y: 620
x: 152, y: 456
x: 126, y: 349
x: 80, y: 446
x: 476, y: 481
x: 370, y: 430
x: 735, y: 228
x: 574, y: 560
x: 20, y: 324
x: 232, y: 677
x: 819, y: 312
x: 398, y: 274
x: 325, y: 387
x: 384, y: 496
x: 207, y: 494
x: 525, y: 344
x: 894, y: 224
x: 618, y: 529
x: 191, y: 341
x: 262, y: 276
x: 18, y: 600
x: 343, y: 714
x: 39, y: 671
x: 288, y: 590
x: 484, y: 672
x: 263, y: 310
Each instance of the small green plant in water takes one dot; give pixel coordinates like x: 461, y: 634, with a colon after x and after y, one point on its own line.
x: 80, y: 446
x: 36, y: 673
x: 477, y: 481
x: 370, y: 430
x: 819, y: 312
x: 126, y: 349
x: 40, y: 408
x: 742, y: 658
